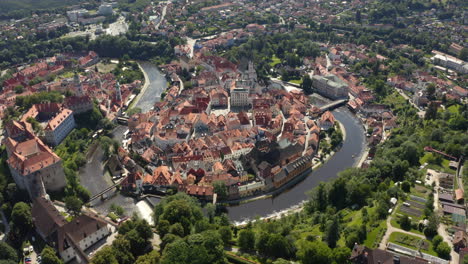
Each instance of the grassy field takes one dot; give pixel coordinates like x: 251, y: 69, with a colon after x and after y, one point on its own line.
x: 396, y: 100
x: 375, y: 228
x: 274, y: 60
x: 394, y: 223
x: 296, y: 81
x: 375, y: 235
x: 65, y: 75
x: 419, y: 190
x: 443, y: 167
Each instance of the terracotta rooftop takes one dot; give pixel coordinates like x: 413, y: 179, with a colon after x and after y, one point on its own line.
x: 58, y: 119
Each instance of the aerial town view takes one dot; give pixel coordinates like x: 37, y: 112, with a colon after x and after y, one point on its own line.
x: 233, y: 131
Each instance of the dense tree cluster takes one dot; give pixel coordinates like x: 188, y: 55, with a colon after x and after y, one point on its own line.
x: 133, y: 241
x: 18, y: 51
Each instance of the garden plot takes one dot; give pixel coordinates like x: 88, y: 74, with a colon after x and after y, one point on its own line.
x: 416, y: 204
x: 411, y: 211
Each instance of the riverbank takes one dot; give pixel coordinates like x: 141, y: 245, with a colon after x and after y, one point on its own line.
x: 155, y: 85
x: 299, y: 207
x: 353, y: 147
x: 143, y: 90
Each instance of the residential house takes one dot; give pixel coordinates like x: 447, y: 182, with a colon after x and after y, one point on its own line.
x: 327, y: 120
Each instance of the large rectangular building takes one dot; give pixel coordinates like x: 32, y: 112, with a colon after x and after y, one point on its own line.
x: 239, y: 97
x: 34, y: 167
x: 330, y: 86
x: 450, y: 62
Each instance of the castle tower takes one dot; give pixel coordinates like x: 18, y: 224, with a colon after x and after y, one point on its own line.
x: 78, y: 86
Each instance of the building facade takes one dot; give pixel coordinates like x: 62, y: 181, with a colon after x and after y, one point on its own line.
x: 330, y: 86
x: 59, y: 127
x: 69, y: 239
x: 34, y: 167
x: 240, y: 97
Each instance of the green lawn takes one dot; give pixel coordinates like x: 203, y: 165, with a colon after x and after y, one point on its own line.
x: 352, y: 218
x: 296, y: 81
x: 375, y: 235
x: 411, y: 242
x: 106, y: 67
x: 307, y: 230
x: 274, y: 60
x: 396, y: 100
x: 443, y: 167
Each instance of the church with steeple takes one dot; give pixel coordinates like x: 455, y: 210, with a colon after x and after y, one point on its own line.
x: 79, y: 102
x: 249, y: 79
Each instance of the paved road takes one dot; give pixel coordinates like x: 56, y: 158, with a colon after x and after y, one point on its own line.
x: 163, y: 14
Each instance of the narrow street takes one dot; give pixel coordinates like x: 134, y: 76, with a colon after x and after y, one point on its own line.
x: 163, y: 14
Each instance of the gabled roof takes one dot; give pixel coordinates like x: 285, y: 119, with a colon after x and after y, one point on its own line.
x: 46, y: 217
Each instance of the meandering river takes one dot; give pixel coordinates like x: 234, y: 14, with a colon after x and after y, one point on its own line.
x: 349, y: 154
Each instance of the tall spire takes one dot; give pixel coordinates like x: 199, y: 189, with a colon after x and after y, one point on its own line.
x: 118, y: 93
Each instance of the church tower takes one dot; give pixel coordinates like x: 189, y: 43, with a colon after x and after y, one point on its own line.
x: 251, y: 73
x: 118, y: 92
